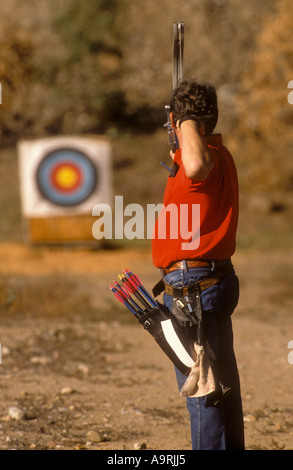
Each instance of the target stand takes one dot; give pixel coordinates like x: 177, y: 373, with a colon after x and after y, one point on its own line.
x: 61, y: 180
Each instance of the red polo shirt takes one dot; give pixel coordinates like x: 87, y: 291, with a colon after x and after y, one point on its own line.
x: 200, y: 220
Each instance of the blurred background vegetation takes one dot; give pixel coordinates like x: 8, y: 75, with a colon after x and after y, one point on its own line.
x: 105, y: 67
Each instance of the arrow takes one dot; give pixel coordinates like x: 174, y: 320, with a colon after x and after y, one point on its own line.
x: 121, y: 299
x: 123, y: 292
x: 133, y: 289
x: 135, y: 280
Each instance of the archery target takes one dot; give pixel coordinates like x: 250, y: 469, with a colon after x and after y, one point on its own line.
x: 64, y: 175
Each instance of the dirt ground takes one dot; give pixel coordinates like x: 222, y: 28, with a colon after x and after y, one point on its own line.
x: 83, y: 374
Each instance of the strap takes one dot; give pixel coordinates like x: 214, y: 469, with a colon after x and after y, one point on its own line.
x: 177, y: 292
x: 186, y: 290
x: 158, y: 288
x: 203, y: 284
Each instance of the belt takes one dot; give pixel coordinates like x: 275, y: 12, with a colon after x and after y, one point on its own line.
x: 221, y: 269
x: 195, y: 263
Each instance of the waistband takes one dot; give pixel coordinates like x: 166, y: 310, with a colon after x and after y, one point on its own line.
x: 196, y: 263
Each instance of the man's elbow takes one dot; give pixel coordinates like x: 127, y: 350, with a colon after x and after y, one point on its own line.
x: 197, y: 172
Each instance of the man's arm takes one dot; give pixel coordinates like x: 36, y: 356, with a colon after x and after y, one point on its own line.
x: 196, y: 158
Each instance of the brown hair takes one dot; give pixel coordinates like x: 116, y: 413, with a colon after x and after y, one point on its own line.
x: 200, y: 100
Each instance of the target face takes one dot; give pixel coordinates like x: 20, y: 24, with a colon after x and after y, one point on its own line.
x: 66, y: 177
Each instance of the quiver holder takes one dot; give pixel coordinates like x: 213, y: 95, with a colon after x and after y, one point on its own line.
x: 176, y: 341
x: 177, y: 334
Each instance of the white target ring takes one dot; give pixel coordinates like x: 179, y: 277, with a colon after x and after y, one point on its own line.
x: 64, y: 175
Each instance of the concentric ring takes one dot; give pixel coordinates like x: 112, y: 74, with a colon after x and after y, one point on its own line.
x: 66, y: 177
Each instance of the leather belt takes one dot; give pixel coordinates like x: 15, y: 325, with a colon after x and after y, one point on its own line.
x: 196, y: 263
x: 221, y: 270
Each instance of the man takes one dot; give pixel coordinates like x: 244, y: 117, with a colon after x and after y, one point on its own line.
x: 204, y: 173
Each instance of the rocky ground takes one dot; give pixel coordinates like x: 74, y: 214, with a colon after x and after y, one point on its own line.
x: 79, y: 372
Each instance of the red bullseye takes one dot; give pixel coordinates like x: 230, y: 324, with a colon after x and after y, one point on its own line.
x: 66, y: 177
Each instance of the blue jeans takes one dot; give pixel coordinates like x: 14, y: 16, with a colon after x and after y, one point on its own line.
x: 213, y: 427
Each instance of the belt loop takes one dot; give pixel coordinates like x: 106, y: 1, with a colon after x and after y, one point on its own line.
x: 185, y: 267
x: 213, y: 265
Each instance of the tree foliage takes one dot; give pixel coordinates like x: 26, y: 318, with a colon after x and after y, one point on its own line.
x: 265, y: 128
x: 86, y: 76
x: 68, y: 66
